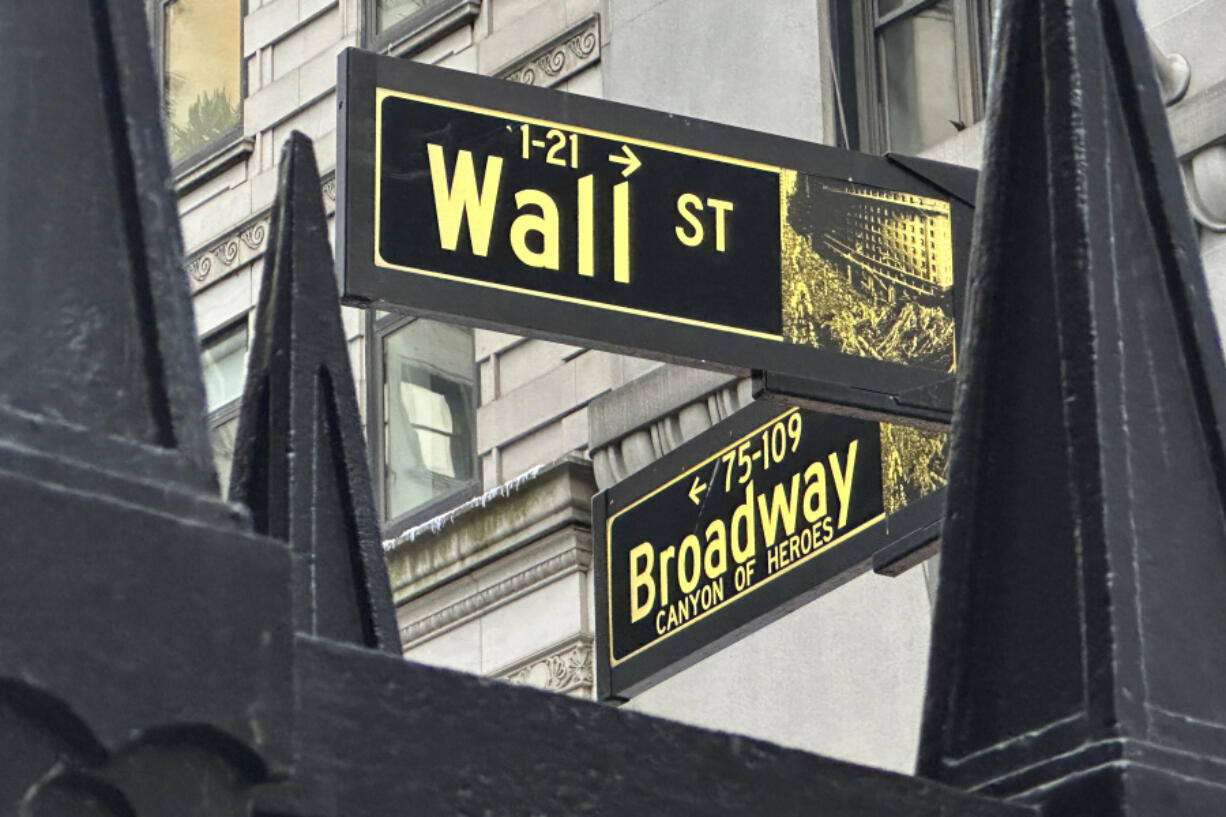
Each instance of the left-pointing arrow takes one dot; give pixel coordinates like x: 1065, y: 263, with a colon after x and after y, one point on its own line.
x: 629, y: 160
x: 696, y: 490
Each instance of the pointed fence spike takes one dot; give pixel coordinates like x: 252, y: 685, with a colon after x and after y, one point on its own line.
x: 300, y: 460
x: 1079, y: 641
x: 97, y: 340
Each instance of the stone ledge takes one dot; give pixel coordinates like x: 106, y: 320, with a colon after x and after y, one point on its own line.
x: 425, y: 27
x: 490, y: 527
x: 212, y: 165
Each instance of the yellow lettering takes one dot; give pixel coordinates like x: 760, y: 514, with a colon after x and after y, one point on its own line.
x: 621, y: 232
x: 720, y: 207
x: 666, y: 556
x: 842, y: 480
x: 687, y: 203
x: 744, y: 513
x: 782, y: 507
x: 546, y: 224
x: 715, y: 561
x: 640, y: 578
x: 688, y: 582
x: 586, y: 252
x: 815, y: 486
x: 463, y: 198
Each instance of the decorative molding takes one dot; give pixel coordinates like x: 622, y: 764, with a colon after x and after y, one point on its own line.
x: 564, y: 669
x: 1198, y: 129
x: 241, y: 246
x: 1204, y: 185
x: 562, y: 57
x: 1173, y: 71
x: 575, y: 558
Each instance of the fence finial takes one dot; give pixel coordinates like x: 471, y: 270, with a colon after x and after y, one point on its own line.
x: 1079, y: 641
x: 97, y: 341
x: 300, y: 461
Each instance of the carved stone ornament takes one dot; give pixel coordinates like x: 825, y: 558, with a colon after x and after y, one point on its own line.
x: 561, y: 671
x: 564, y: 56
x: 240, y: 246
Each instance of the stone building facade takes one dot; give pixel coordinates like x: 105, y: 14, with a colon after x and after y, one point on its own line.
x: 487, y: 447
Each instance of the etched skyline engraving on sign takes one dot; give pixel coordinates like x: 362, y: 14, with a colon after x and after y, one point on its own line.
x: 866, y: 271
x: 767, y: 503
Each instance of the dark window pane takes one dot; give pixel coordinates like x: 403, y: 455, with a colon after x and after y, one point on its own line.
x: 884, y: 7
x: 202, y: 92
x: 390, y: 12
x: 428, y: 400
x: 919, y: 78
x: 223, y: 359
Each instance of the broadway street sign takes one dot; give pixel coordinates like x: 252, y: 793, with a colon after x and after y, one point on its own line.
x: 747, y: 522
x: 556, y: 215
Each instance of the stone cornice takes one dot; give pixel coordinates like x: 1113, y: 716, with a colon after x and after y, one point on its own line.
x: 557, y: 497
x: 242, y: 245
x: 569, y: 560
x: 563, y: 56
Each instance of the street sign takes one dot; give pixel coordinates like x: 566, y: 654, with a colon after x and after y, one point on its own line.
x: 545, y: 213
x: 747, y: 522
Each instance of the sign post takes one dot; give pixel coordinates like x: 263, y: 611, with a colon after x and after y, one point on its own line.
x: 560, y: 216
x: 747, y: 522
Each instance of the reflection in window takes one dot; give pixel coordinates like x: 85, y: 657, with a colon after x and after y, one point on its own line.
x: 390, y: 12
x: 222, y: 358
x: 428, y: 404
x: 222, y: 437
x: 918, y: 75
x: 202, y: 89
x: 224, y: 361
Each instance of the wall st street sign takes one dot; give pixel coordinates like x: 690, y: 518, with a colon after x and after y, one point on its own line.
x: 747, y: 522
x: 539, y: 212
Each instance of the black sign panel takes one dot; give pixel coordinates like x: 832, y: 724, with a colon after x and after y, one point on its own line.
x: 744, y: 524
x: 545, y: 213
x: 523, y: 206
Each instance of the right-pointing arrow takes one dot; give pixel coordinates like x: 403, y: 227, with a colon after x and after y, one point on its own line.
x: 631, y: 161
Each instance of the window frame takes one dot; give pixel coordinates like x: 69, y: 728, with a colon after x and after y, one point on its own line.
x: 419, y: 29
x: 376, y: 330
x: 856, y: 84
x: 156, y: 11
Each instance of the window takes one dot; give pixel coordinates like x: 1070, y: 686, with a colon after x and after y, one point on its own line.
x: 224, y: 356
x: 201, y: 67
x: 421, y: 416
x: 402, y: 26
x: 908, y: 73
